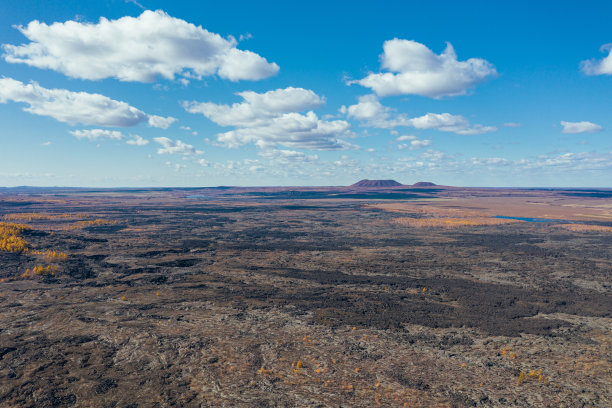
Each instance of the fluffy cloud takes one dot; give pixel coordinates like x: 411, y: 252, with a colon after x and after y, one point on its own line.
x: 287, y: 156
x: 406, y: 137
x: 136, y: 49
x: 188, y: 129
x: 368, y: 108
x: 76, y: 107
x: 137, y: 141
x: 446, y: 122
x: 160, y: 121
x: 551, y: 164
x: 374, y: 114
x: 415, y: 69
x: 489, y: 161
x: 203, y: 162
x: 170, y: 146
x: 271, y: 118
x: 102, y: 134
x: 257, y: 108
x: 97, y: 134
x: 595, y: 67
x: 580, y: 127
x: 574, y: 161
x: 414, y: 144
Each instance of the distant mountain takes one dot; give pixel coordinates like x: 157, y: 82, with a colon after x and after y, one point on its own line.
x: 424, y: 184
x: 377, y: 183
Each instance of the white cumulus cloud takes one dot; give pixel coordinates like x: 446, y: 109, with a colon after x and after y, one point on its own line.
x: 580, y: 127
x: 415, y: 144
x: 257, y: 107
x: 406, y: 137
x: 280, y: 156
x: 170, y: 146
x: 140, y: 49
x: 369, y: 110
x: 160, y: 121
x: 76, y: 107
x: 446, y: 122
x: 599, y: 67
x: 97, y: 134
x: 417, y: 70
x: 137, y: 140
x: 271, y: 118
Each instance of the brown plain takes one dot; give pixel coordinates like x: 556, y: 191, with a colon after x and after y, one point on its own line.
x: 289, y: 297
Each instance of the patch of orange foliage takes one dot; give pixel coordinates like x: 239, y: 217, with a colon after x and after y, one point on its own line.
x: 91, y: 223
x: 52, y: 255
x: 533, y: 374
x: 39, y: 270
x: 586, y: 228
x: 10, y: 239
x: 452, y: 222
x: 39, y: 216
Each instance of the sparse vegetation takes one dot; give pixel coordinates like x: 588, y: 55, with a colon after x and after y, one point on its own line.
x: 51, y: 255
x: 535, y: 375
x: 258, y: 303
x: 92, y: 223
x: 449, y: 222
x: 40, y: 216
x: 40, y: 270
x: 586, y: 228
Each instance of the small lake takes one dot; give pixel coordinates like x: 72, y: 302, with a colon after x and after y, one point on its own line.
x: 529, y: 219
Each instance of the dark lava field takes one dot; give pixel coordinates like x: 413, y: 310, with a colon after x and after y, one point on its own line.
x: 305, y: 298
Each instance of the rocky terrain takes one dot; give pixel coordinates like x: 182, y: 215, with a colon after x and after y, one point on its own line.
x: 377, y: 183
x: 300, y: 298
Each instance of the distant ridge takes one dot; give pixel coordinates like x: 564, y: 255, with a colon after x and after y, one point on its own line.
x: 377, y: 183
x: 424, y: 184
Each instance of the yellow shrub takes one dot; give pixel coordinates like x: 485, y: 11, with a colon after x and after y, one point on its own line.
x: 39, y: 270
x: 9, y: 228
x: 13, y: 244
x: 52, y: 255
x: 533, y: 374
x: 10, y: 240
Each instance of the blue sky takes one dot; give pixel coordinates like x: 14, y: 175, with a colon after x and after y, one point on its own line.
x: 275, y: 93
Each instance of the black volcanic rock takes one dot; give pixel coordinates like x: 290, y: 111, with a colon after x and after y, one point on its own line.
x: 424, y: 184
x: 377, y: 183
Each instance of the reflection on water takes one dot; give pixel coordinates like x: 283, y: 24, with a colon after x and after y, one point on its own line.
x: 529, y: 219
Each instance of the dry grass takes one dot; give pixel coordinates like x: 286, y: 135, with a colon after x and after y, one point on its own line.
x: 586, y: 228
x: 51, y: 255
x: 40, y: 216
x: 452, y: 222
x: 91, y: 223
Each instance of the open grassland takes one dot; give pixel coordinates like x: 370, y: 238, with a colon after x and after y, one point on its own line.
x: 150, y: 298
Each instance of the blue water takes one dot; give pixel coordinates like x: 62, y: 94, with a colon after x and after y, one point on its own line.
x: 529, y: 219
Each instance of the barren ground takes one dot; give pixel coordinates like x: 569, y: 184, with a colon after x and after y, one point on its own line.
x: 307, y: 298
